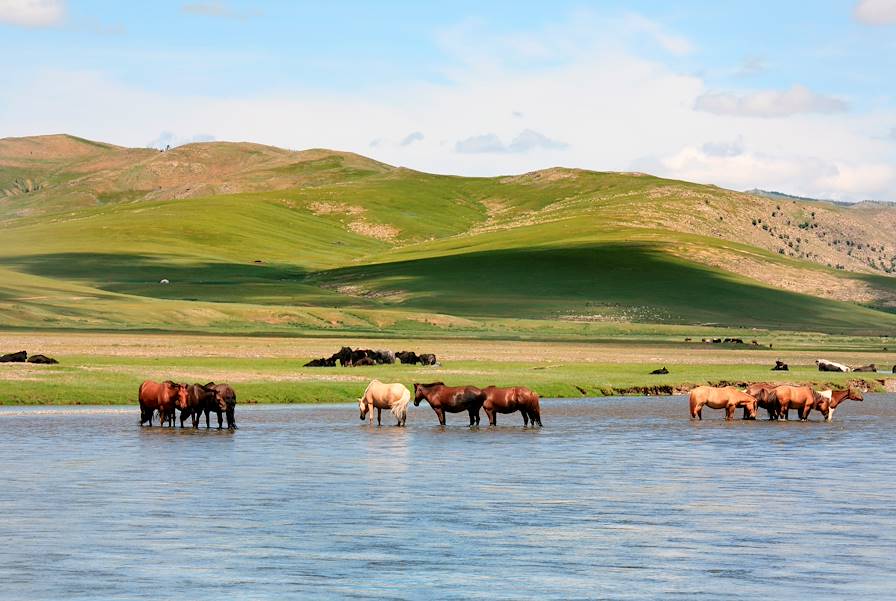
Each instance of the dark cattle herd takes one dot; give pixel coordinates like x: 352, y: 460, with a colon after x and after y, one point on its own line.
x: 348, y: 357
x: 22, y: 357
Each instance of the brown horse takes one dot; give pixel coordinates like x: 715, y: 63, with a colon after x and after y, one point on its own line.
x: 728, y: 398
x: 198, y: 397
x: 510, y: 400
x: 802, y: 398
x: 163, y: 398
x: 224, y: 402
x: 760, y: 391
x: 835, y: 397
x: 450, y: 399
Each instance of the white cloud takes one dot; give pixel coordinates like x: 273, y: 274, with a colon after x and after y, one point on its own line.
x: 32, y: 13
x: 217, y: 9
x: 411, y: 138
x: 525, y: 141
x: 769, y: 103
x: 876, y: 12
x: 805, y: 176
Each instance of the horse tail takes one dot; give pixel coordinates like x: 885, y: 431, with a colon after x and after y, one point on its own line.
x: 399, y: 408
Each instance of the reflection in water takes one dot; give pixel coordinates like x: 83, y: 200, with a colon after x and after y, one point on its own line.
x: 615, y: 498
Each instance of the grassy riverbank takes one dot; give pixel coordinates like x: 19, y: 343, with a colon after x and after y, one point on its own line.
x: 108, y: 368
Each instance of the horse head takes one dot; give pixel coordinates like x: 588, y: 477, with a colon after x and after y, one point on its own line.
x: 750, y: 406
x: 182, y: 400
x: 362, y: 405
x: 855, y: 394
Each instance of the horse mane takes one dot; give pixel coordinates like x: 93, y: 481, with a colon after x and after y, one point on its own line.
x: 431, y: 385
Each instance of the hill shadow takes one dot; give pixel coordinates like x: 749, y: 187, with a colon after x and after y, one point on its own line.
x: 637, y: 281
x: 141, y: 274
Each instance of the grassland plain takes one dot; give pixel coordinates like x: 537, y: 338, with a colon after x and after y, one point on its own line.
x: 97, y: 368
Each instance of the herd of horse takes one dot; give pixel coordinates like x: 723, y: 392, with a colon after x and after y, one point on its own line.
x: 192, y: 400
x: 450, y: 399
x: 776, y: 399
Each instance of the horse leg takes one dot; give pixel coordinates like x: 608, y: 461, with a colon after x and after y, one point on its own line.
x: 440, y: 413
x: 526, y: 418
x: 379, y: 416
x: 231, y: 419
x: 729, y: 412
x: 220, y: 422
x: 535, y: 414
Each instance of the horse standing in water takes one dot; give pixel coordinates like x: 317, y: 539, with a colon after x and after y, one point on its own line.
x: 510, y: 400
x: 728, y: 398
x: 761, y: 392
x: 835, y: 397
x: 379, y: 396
x: 198, y: 397
x: 802, y: 398
x: 163, y: 398
x: 450, y: 399
x: 224, y: 401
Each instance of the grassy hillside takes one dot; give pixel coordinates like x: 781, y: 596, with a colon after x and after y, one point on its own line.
x: 259, y: 239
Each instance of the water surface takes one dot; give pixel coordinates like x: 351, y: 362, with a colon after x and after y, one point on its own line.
x: 614, y: 498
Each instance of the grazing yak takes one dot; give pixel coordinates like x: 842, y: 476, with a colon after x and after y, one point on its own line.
x: 42, y: 359
x: 407, y: 357
x: 866, y: 368
x: 19, y: 357
x: 322, y: 362
x: 659, y: 372
x: 780, y: 366
x: 825, y: 365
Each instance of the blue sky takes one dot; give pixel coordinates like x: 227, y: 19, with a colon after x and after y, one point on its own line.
x: 793, y: 96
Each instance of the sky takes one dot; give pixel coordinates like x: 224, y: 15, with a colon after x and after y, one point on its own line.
x: 793, y: 96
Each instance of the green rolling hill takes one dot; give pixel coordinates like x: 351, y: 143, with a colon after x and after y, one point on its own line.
x: 260, y: 239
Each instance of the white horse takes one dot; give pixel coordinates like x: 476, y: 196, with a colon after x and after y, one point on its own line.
x: 379, y: 396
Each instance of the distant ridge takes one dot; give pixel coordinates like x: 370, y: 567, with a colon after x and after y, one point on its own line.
x: 774, y: 195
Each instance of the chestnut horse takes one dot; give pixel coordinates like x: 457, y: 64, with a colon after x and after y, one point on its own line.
x: 510, y: 400
x: 728, y: 398
x: 802, y: 398
x: 835, y: 397
x: 163, y: 398
x: 198, y: 397
x: 760, y: 391
x: 450, y: 399
x: 379, y: 396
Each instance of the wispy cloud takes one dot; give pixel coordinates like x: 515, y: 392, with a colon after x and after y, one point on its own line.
x: 751, y: 65
x: 32, y: 13
x: 218, y: 10
x: 525, y: 141
x: 769, y: 103
x: 876, y: 12
x: 724, y: 149
x: 411, y: 138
